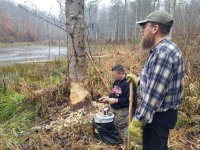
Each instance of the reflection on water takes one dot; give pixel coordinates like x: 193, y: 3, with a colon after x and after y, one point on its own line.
x: 9, y: 55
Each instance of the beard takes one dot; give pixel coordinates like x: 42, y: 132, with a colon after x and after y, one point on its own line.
x: 147, y: 42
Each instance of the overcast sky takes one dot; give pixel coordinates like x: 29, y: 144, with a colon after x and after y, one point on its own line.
x: 51, y: 5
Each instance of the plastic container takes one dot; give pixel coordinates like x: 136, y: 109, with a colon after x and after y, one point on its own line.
x: 99, y: 118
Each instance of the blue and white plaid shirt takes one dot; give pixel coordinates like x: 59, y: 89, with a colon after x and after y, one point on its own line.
x: 161, y: 81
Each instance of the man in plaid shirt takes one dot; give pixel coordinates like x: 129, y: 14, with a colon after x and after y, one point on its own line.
x: 161, y: 83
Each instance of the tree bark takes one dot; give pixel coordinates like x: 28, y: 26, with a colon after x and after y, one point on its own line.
x: 125, y: 21
x: 75, y: 27
x: 136, y: 19
x: 76, y: 47
x: 172, y: 11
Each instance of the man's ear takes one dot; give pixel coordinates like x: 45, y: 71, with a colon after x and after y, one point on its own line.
x: 155, y: 29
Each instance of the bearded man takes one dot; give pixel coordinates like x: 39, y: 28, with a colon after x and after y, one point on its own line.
x: 161, y: 83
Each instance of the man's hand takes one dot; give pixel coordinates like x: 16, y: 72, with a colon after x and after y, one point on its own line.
x: 108, y: 100
x: 103, y: 99
x: 135, y: 127
x: 134, y: 78
x: 112, y: 100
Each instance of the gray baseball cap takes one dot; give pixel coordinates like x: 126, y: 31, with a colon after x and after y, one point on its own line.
x: 159, y: 16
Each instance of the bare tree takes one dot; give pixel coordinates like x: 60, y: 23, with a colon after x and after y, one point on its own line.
x: 125, y: 22
x: 172, y: 11
x: 76, y: 49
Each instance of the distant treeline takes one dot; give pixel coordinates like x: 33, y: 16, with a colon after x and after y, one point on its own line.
x: 113, y: 23
x: 117, y: 23
x: 16, y: 25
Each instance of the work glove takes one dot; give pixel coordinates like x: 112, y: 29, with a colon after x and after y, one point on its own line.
x: 134, y: 78
x: 135, y: 127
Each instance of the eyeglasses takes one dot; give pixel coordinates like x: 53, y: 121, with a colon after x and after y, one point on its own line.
x: 146, y: 24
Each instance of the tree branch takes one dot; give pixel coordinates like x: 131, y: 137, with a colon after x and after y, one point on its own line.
x: 49, y: 20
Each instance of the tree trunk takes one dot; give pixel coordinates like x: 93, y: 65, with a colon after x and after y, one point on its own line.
x: 125, y: 22
x: 113, y: 31
x: 154, y: 5
x: 172, y: 11
x: 136, y: 19
x: 76, y: 47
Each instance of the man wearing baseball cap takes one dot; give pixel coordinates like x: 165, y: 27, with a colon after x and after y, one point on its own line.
x: 161, y: 83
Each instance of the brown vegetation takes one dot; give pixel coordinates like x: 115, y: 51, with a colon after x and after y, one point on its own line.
x: 70, y: 128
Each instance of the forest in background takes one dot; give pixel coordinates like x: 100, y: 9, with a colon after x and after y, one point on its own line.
x: 118, y: 21
x: 113, y: 23
x: 17, y: 25
x: 35, y: 109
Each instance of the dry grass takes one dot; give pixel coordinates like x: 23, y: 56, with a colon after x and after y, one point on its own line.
x: 67, y: 129
x: 187, y: 133
x: 128, y: 56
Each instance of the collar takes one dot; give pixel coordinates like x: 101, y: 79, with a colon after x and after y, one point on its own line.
x: 157, y: 45
x: 119, y: 81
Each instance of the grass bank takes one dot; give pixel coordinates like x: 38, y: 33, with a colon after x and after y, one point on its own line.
x: 30, y: 93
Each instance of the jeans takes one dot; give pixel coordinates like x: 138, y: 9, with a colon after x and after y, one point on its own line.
x: 155, y: 134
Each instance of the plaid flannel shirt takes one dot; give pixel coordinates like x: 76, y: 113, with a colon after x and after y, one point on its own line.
x: 161, y: 81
